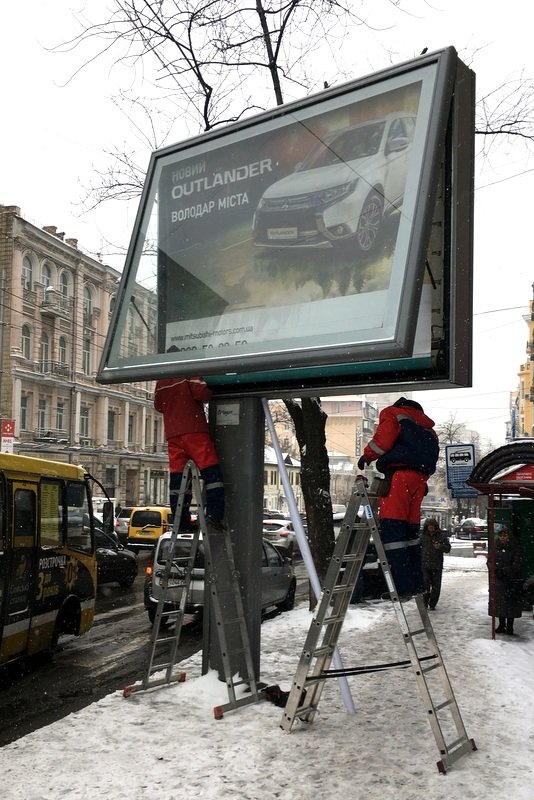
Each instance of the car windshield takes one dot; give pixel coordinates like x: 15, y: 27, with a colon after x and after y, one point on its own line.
x: 345, y: 146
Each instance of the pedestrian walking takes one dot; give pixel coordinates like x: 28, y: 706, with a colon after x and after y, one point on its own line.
x: 405, y: 447
x: 434, y: 543
x: 505, y: 584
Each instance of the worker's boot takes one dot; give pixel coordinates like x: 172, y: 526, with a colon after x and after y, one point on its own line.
x: 510, y: 627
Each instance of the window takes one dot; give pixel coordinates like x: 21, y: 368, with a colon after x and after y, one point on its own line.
x: 64, y: 285
x: 86, y: 355
x: 60, y: 415
x: 87, y: 302
x: 26, y: 341
x: 84, y: 422
x: 78, y: 521
x: 24, y: 513
x: 131, y: 428
x: 27, y: 272
x: 41, y: 415
x: 112, y: 419
x: 24, y: 412
x: 62, y: 350
x: 51, y: 511
x: 110, y: 480
x: 45, y: 352
x: 46, y: 275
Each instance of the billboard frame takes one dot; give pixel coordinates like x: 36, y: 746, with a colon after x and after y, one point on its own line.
x: 383, y: 364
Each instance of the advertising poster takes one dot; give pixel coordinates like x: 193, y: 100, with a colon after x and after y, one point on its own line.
x: 7, y: 435
x: 289, y: 236
x: 308, y: 242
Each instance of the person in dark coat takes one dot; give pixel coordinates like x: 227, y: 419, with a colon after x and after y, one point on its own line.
x: 505, y: 585
x: 434, y: 543
x: 405, y: 447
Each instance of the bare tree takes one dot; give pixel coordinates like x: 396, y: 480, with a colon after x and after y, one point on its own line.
x: 205, y: 52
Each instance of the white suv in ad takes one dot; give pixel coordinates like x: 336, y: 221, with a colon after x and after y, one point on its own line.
x: 342, y: 190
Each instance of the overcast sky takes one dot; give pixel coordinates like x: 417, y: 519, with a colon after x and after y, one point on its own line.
x: 56, y: 127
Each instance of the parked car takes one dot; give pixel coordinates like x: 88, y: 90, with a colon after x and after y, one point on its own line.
x: 115, y: 564
x: 371, y: 584
x: 473, y: 528
x: 122, y: 521
x: 278, y: 582
x: 147, y: 524
x: 342, y: 190
x: 281, y: 533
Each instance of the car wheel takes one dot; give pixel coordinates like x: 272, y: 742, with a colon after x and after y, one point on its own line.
x: 164, y: 622
x: 370, y: 221
x: 128, y: 581
x: 289, y: 601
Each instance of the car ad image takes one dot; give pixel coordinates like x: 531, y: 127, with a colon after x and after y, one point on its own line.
x: 342, y: 190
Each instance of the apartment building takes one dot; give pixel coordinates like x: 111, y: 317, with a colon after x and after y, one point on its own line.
x: 55, y: 306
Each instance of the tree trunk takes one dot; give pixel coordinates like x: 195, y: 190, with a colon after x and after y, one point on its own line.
x: 310, y: 420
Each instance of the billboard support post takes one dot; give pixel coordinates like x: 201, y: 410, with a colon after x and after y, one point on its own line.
x: 238, y: 431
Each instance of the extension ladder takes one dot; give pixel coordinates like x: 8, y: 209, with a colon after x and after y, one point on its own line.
x: 424, y: 654
x: 225, y: 596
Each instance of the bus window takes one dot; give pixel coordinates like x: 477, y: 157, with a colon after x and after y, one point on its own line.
x: 24, y: 514
x: 78, y: 519
x: 24, y: 519
x: 51, y: 514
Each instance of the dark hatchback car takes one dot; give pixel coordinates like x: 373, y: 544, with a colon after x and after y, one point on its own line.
x: 114, y: 563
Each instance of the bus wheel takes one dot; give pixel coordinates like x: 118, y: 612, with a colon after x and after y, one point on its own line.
x: 67, y: 621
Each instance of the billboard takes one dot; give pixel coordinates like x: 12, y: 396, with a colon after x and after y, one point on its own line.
x: 308, y: 245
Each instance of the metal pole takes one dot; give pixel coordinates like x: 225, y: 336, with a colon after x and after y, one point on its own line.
x: 304, y: 547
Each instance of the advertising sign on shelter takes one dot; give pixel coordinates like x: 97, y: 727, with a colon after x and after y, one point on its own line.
x: 296, y: 246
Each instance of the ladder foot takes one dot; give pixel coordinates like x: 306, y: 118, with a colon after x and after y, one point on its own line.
x: 218, y: 712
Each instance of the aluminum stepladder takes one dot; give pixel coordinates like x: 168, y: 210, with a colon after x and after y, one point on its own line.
x: 424, y: 654
x: 225, y: 596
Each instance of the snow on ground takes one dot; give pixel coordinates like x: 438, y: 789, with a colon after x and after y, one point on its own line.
x: 166, y: 744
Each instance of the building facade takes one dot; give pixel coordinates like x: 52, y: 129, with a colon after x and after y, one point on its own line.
x: 55, y: 306
x: 521, y: 423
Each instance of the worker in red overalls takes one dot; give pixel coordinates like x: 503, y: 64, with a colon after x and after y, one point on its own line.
x: 405, y: 447
x: 181, y: 401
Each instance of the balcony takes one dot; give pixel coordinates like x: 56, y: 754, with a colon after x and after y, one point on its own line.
x: 56, y: 435
x: 54, y: 304
x: 55, y: 368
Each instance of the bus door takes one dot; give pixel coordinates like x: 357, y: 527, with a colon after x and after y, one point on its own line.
x: 19, y: 571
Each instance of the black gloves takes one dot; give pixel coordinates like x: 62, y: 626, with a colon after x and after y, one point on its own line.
x: 362, y: 462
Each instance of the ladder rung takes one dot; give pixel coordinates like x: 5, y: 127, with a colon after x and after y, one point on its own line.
x: 331, y: 620
x: 165, y: 639
x: 158, y: 667
x: 461, y: 742
x: 321, y: 651
x: 417, y: 632
x: 424, y: 670
x: 445, y: 704
x: 342, y: 588
x: 305, y: 710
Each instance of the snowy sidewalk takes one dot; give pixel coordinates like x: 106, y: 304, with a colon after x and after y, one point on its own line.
x: 165, y: 744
